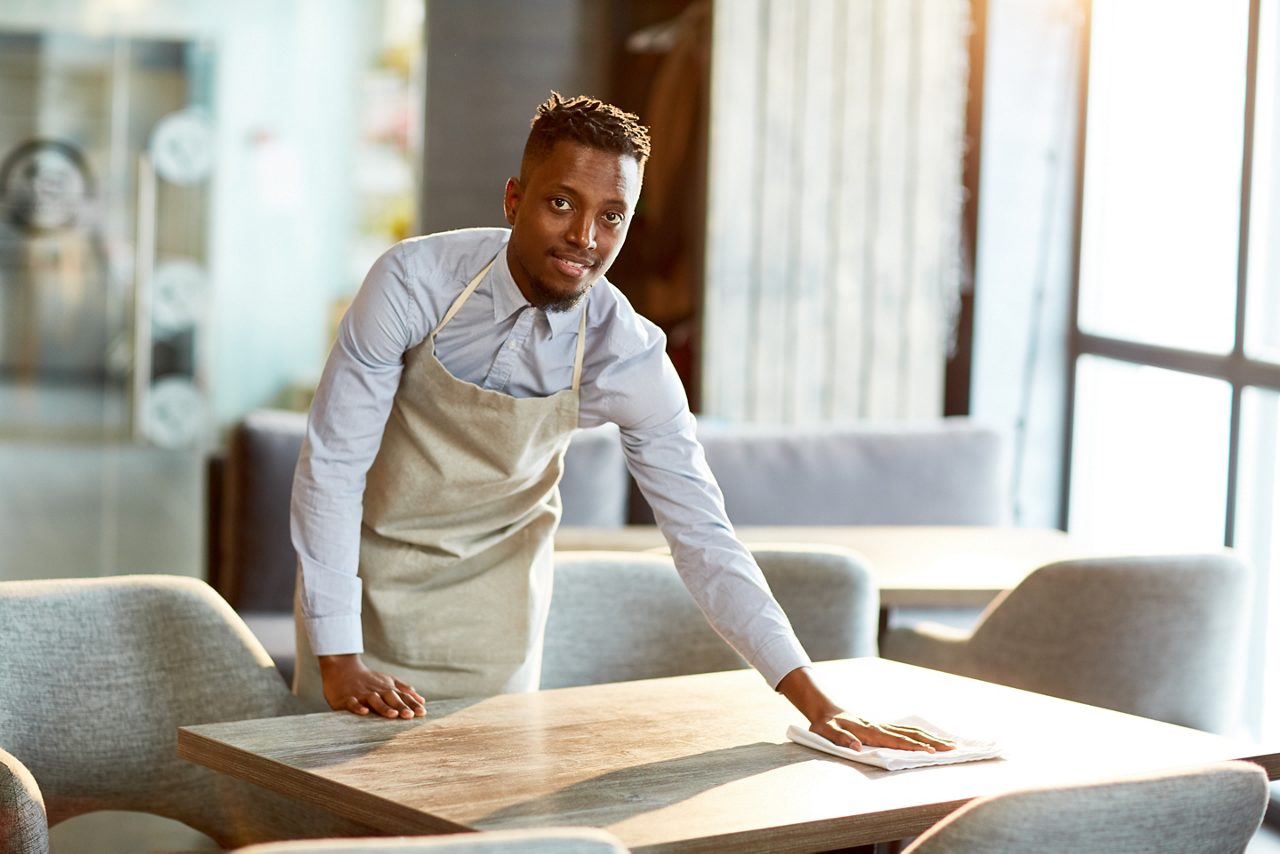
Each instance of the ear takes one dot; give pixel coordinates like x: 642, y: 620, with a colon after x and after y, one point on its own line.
x: 511, y: 200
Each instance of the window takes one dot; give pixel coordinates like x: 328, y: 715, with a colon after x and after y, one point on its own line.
x: 1175, y: 362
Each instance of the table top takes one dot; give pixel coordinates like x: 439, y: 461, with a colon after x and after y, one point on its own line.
x: 914, y: 565
x: 691, y: 763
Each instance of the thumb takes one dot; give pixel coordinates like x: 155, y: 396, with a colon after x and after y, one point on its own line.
x: 837, y: 735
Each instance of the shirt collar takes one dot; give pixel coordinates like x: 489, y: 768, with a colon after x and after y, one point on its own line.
x: 507, y: 299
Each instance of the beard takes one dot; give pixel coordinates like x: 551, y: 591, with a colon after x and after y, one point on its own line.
x: 549, y: 299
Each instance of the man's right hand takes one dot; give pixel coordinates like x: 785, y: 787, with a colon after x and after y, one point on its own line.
x: 350, y: 686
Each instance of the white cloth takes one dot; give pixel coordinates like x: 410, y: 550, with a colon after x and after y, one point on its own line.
x: 966, y: 750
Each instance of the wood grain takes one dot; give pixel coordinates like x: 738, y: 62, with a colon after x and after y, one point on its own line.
x: 695, y: 763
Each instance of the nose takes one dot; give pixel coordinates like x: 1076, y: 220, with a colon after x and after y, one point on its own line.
x: 582, y: 232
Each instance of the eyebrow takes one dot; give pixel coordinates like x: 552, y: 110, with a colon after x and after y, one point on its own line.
x: 573, y: 191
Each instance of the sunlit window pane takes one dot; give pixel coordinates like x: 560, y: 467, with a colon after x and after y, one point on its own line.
x: 1257, y: 536
x: 1149, y: 459
x: 1162, y: 174
x: 1262, y: 330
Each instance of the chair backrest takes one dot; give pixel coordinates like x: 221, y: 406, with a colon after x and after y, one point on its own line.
x: 1160, y: 636
x: 24, y: 827
x: 548, y: 841
x: 1212, y: 808
x: 118, y: 664
x: 617, y: 616
x: 947, y: 472
x: 252, y: 562
x: 257, y: 563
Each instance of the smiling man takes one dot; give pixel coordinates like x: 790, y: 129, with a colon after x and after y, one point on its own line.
x: 425, y: 500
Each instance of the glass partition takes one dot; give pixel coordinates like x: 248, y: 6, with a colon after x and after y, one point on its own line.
x: 106, y: 148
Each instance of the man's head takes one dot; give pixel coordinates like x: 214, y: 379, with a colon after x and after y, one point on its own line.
x: 572, y: 205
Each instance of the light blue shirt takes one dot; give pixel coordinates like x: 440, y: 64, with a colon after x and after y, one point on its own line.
x: 498, y: 341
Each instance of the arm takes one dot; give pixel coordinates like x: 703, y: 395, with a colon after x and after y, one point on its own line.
x: 344, y: 431
x: 668, y: 464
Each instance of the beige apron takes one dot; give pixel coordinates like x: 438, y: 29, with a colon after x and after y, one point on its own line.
x: 460, y: 510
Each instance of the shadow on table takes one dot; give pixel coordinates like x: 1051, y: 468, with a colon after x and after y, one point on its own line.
x: 619, y: 795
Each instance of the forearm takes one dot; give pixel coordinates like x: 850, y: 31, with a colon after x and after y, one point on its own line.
x: 803, y: 692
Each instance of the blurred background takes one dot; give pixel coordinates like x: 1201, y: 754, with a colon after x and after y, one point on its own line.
x: 1057, y: 217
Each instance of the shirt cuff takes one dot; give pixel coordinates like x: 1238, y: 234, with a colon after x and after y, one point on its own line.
x: 779, y: 657
x: 339, y: 635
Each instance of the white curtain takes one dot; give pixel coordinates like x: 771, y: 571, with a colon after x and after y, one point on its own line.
x: 833, y: 253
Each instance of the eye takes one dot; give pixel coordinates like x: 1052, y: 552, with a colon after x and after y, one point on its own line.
x: 614, y: 218
x: 560, y: 204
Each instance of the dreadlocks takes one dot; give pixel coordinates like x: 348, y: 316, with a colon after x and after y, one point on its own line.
x: 583, y: 120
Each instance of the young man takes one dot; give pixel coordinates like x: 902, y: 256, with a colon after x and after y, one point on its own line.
x: 426, y: 488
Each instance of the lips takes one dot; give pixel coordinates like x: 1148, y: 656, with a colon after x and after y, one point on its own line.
x: 573, y: 266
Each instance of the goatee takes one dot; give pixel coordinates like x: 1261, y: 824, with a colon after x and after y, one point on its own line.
x: 550, y: 300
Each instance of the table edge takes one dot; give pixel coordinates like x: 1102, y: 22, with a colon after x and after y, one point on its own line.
x: 198, y: 748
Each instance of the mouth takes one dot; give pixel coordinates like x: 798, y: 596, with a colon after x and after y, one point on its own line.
x: 573, y: 266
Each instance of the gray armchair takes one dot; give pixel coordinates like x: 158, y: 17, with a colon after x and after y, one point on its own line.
x: 617, y: 616
x: 1212, y: 808
x: 1157, y: 636
x: 112, y: 667
x: 24, y: 826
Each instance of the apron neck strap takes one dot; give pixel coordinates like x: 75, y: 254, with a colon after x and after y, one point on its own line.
x: 462, y: 297
x: 475, y: 283
x: 582, y: 341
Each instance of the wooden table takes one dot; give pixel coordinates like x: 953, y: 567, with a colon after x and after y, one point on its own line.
x: 692, y: 763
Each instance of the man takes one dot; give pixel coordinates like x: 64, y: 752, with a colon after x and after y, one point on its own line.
x: 465, y: 363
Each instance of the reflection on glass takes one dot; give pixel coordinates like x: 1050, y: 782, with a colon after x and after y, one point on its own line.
x: 1256, y: 535
x: 55, y: 319
x: 78, y: 110
x: 1149, y: 455
x: 1262, y: 332
x: 1159, y: 239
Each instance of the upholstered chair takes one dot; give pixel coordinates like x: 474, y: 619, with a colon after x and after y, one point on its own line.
x: 24, y: 827
x: 617, y: 616
x: 1211, y: 808
x: 550, y: 841
x: 98, y: 674
x: 1157, y: 636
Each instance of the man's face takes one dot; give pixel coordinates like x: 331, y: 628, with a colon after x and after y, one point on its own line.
x: 568, y: 220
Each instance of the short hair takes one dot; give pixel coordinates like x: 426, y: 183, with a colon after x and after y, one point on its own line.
x: 584, y: 120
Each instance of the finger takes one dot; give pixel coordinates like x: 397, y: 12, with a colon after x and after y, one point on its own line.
x: 915, y: 732
x: 356, y: 707
x: 837, y: 736
x: 392, y: 699
x: 376, y: 703
x: 415, y: 700
x: 922, y: 736
x: 880, y: 738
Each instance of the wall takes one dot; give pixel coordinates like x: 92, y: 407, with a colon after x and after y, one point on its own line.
x: 509, y: 55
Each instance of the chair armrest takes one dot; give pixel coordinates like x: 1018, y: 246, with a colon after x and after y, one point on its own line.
x: 24, y: 825
x: 931, y: 645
